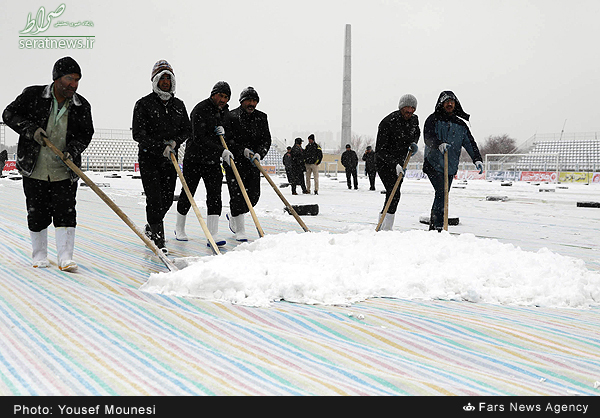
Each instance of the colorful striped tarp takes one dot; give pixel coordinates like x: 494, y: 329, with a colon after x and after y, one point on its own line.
x: 94, y: 332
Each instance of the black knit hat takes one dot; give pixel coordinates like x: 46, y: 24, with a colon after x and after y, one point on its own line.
x: 221, y: 87
x: 298, y: 140
x: 249, y: 93
x: 64, y: 66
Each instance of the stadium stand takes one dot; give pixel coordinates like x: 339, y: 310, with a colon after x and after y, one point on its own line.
x: 574, y: 154
x: 115, y: 150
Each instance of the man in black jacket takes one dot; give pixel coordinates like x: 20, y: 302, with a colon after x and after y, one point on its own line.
x: 297, y: 167
x: 160, y: 125
x: 57, y: 112
x: 312, y: 158
x: 398, y: 133
x: 350, y: 162
x: 202, y: 159
x: 369, y: 159
x: 248, y: 138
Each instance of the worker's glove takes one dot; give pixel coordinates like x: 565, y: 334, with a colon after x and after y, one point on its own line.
x: 37, y: 136
x: 169, y: 149
x: 444, y: 147
x: 227, y: 156
x: 479, y: 166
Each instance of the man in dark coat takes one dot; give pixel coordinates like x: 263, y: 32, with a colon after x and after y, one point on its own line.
x: 160, y: 125
x: 287, y: 163
x: 298, y: 167
x: 313, y: 155
x: 350, y: 162
x: 202, y: 159
x: 369, y: 159
x: 3, y: 158
x: 248, y: 138
x: 398, y: 133
x: 445, y: 131
x: 57, y: 112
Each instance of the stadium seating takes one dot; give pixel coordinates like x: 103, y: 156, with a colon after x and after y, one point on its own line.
x: 115, y: 150
x: 574, y: 155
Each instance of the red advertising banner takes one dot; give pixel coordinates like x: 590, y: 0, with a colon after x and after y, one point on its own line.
x: 10, y: 165
x: 538, y: 176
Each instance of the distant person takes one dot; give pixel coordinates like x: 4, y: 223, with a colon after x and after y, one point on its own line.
x: 3, y: 158
x: 350, y: 163
x: 445, y: 131
x: 369, y: 159
x: 202, y: 159
x: 57, y: 112
x: 287, y: 163
x: 248, y: 138
x: 313, y: 155
x: 160, y: 125
x: 397, y: 134
x: 298, y: 167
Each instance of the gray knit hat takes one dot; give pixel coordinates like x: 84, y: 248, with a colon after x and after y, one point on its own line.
x: 407, y: 100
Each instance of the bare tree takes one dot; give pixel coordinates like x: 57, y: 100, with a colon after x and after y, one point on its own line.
x: 499, y: 144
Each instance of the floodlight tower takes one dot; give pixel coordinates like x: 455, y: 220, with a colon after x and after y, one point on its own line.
x: 347, y: 93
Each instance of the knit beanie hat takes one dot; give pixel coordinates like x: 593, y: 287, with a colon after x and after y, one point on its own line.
x: 249, y: 93
x: 161, y: 66
x: 221, y: 87
x: 408, y: 100
x: 64, y: 66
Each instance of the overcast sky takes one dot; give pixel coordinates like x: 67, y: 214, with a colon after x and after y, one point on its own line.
x: 519, y: 67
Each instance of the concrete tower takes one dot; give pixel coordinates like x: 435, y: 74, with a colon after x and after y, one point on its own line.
x: 347, y: 93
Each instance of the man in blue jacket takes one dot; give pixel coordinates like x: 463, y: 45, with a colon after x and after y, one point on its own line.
x: 58, y: 113
x: 445, y: 131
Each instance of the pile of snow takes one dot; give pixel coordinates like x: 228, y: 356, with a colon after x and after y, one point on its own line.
x: 341, y: 269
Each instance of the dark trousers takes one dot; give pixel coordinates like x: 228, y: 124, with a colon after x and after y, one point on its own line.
x: 50, y: 202
x: 297, y: 179
x: 388, y: 177
x: 351, y: 173
x: 436, y: 219
x: 372, y: 175
x: 212, y: 175
x: 158, y: 179
x: 250, y: 176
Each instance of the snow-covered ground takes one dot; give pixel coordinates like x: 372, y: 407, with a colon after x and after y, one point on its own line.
x: 528, y: 248
x: 530, y: 264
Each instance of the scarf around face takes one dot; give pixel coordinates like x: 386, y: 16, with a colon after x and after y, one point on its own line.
x: 164, y: 95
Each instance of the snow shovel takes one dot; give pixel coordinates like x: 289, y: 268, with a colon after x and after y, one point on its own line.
x: 243, y: 189
x: 149, y: 243
x: 389, y: 202
x: 211, y: 240
x: 446, y: 187
x: 283, y: 199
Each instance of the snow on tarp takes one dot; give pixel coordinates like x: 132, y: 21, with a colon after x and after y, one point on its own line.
x: 340, y: 269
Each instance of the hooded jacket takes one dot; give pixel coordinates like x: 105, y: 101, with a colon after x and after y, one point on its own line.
x: 156, y: 123
x: 442, y: 127
x: 31, y: 110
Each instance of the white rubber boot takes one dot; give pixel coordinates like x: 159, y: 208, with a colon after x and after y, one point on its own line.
x: 180, y: 234
x: 65, y: 244
x: 238, y: 227
x: 388, y: 222
x: 212, y: 222
x: 39, y: 245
